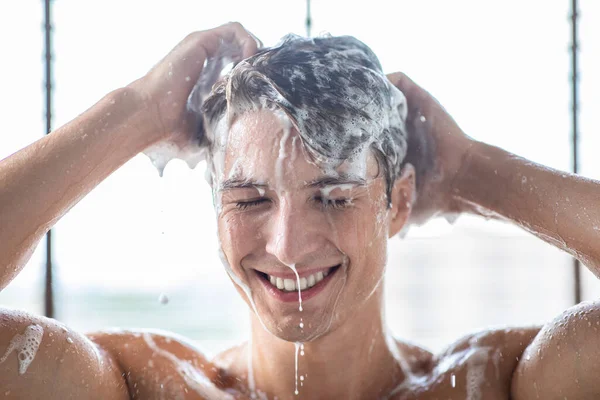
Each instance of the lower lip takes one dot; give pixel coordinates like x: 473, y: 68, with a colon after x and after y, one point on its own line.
x: 289, y: 297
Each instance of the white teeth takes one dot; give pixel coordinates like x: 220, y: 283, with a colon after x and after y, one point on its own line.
x: 303, y: 283
x: 290, y: 285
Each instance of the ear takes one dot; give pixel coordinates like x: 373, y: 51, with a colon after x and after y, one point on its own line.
x: 403, y: 195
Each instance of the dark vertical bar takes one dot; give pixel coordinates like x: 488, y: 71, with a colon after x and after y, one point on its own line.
x: 575, y: 126
x: 48, y: 289
x: 308, y: 18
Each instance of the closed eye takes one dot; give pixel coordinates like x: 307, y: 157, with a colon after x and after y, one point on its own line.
x: 243, y: 205
x: 334, y: 204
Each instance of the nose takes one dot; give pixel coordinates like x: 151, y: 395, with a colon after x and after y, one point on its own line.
x: 293, y: 234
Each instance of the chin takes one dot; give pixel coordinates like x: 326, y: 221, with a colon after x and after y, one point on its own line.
x: 299, y: 327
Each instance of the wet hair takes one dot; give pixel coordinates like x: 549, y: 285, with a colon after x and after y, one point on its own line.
x: 334, y: 92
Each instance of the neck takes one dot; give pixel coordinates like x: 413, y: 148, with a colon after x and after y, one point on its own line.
x: 351, y: 362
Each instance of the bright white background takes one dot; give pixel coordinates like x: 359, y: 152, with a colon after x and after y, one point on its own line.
x: 501, y: 69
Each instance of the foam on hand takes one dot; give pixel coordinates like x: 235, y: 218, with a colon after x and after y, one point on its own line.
x: 194, y: 152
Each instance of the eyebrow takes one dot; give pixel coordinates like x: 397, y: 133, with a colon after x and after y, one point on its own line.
x: 341, y: 179
x: 320, y: 182
x: 237, y: 183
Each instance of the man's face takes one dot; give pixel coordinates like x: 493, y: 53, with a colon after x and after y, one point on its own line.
x: 280, y: 212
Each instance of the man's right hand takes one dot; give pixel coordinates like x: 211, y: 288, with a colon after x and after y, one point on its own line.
x: 165, y: 89
x: 41, y: 182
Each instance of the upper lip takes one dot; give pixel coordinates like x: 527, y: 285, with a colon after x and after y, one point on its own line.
x: 288, y: 273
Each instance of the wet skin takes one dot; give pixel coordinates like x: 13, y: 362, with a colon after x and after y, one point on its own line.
x: 289, y: 223
x: 347, y: 354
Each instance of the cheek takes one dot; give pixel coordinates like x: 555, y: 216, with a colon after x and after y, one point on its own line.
x: 240, y: 235
x: 365, y: 239
x: 355, y: 233
x: 362, y: 229
x: 237, y: 237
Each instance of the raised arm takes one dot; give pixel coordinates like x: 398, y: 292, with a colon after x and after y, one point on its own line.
x: 41, y: 182
x: 469, y: 176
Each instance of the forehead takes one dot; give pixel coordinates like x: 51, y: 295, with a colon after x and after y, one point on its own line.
x: 260, y: 130
x: 263, y: 145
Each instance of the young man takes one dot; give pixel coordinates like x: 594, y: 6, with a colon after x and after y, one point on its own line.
x: 306, y: 200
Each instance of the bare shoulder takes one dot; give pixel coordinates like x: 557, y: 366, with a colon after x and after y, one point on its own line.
x: 478, y: 365
x: 563, y: 361
x: 41, y: 358
x: 510, y: 342
x: 160, y: 364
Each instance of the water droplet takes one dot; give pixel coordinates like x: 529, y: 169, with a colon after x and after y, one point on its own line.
x: 163, y: 299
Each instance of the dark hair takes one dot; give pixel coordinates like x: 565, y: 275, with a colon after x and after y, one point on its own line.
x: 334, y: 92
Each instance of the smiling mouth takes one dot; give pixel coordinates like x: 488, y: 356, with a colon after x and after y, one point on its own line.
x: 286, y: 285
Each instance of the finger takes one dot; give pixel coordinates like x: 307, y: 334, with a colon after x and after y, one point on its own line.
x: 249, y: 43
x: 417, y: 98
x: 405, y: 84
x: 231, y: 32
x: 188, y: 57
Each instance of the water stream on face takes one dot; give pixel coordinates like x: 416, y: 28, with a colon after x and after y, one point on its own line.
x: 287, y: 129
x: 293, y: 268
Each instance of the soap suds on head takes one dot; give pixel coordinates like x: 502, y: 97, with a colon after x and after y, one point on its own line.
x: 26, y: 346
x: 334, y: 92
